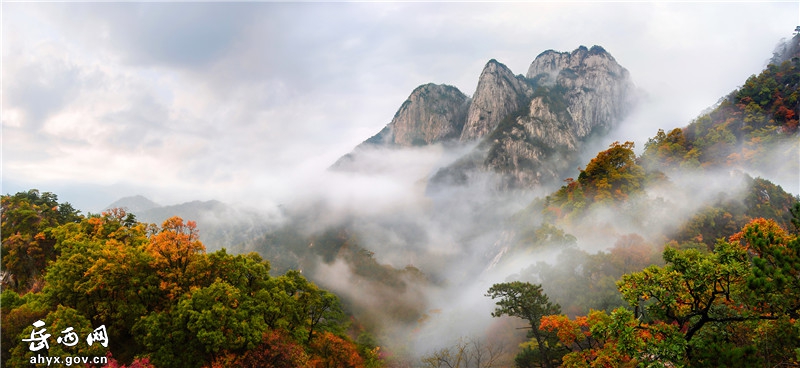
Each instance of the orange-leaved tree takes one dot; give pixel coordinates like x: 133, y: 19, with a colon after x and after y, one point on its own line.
x: 331, y: 351
x: 174, y: 249
x: 735, y: 306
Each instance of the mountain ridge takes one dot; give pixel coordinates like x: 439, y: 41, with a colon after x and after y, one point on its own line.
x: 523, y: 123
x: 222, y: 225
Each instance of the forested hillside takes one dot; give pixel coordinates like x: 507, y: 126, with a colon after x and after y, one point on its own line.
x: 742, y: 131
x: 705, y: 270
x: 162, y: 300
x: 735, y: 306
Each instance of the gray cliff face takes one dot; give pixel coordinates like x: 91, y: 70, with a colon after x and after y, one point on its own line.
x: 597, y: 89
x: 499, y: 93
x: 432, y: 113
x: 533, y: 148
x: 530, y: 129
x: 576, y: 95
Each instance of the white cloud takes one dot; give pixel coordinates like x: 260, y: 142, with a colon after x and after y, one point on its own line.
x: 215, y: 95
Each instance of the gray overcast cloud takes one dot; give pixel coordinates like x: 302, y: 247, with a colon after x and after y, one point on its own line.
x: 183, y: 101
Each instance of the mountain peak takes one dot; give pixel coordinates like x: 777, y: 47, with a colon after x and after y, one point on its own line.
x: 521, y: 121
x: 493, y: 62
x: 596, y: 50
x: 498, y: 94
x: 547, y: 66
x: 431, y: 114
x: 537, y: 135
x: 134, y: 204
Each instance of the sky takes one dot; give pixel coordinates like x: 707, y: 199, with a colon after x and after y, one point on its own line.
x: 251, y: 102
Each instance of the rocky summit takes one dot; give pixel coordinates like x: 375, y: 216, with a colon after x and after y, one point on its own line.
x: 529, y: 128
x: 498, y: 95
x: 575, y: 96
x: 595, y: 87
x: 432, y: 113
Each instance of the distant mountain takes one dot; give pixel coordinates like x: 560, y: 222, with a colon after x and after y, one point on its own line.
x: 529, y: 128
x: 134, y: 204
x: 787, y: 50
x: 221, y: 225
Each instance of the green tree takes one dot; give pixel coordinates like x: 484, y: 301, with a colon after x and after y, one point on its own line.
x: 795, y: 211
x: 27, y: 245
x: 65, y: 323
x: 204, y: 325
x: 609, y: 178
x: 18, y: 313
x: 744, y: 290
x: 693, y: 289
x: 666, y: 149
x: 774, y: 278
x: 310, y: 309
x: 527, y: 301
x: 104, y: 273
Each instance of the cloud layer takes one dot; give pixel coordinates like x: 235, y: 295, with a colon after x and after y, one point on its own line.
x: 182, y: 101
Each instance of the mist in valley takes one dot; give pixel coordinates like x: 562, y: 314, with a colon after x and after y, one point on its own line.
x: 412, y: 257
x: 446, y: 244
x: 446, y: 248
x: 411, y: 238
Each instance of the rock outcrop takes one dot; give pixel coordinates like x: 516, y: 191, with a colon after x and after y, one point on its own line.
x: 432, y: 113
x: 576, y: 95
x: 595, y: 88
x: 499, y: 93
x: 534, y: 148
x: 530, y: 128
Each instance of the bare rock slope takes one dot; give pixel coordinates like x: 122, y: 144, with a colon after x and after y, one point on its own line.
x: 530, y: 128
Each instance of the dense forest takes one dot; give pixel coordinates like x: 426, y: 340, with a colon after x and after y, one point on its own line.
x: 735, y: 306
x: 163, y: 300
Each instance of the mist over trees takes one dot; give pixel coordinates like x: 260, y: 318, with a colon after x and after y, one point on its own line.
x: 733, y: 306
x: 163, y: 300
x: 686, y: 254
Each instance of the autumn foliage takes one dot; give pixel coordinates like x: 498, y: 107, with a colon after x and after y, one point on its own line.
x: 740, y: 130
x: 737, y: 305
x: 163, y: 299
x: 610, y: 178
x: 27, y: 242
